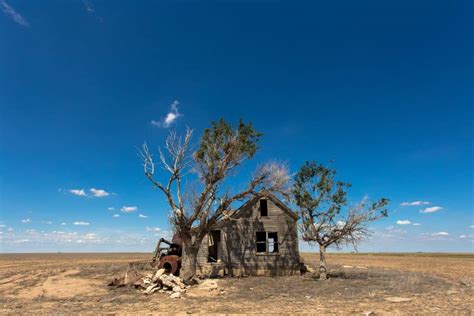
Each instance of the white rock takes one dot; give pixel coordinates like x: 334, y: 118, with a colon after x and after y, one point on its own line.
x: 152, y: 288
x: 175, y: 295
x: 158, y: 274
x: 396, y: 299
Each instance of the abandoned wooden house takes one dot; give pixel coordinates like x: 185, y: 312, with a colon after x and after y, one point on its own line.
x: 259, y: 239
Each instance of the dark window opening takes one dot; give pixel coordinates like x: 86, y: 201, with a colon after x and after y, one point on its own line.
x: 267, y: 242
x: 261, y: 242
x: 263, y: 208
x: 213, y: 250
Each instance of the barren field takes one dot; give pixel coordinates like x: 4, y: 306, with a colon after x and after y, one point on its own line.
x: 360, y: 284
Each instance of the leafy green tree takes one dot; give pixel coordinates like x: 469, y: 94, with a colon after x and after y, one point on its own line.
x: 196, y: 210
x: 323, y: 214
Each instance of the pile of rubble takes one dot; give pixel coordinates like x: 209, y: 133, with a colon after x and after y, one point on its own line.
x: 162, y: 281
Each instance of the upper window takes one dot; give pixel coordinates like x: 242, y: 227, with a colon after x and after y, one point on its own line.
x: 263, y: 208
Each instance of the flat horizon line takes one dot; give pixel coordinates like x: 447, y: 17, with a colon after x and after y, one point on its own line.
x: 301, y: 252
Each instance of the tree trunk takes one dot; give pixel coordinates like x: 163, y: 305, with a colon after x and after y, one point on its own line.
x: 191, y: 253
x: 322, y: 263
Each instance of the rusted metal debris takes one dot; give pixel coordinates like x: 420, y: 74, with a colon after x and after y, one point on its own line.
x: 164, y: 257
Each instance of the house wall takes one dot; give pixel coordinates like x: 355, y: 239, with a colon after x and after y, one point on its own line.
x: 240, y: 255
x: 237, y: 249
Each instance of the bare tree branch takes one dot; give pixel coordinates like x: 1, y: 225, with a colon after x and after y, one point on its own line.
x: 321, y: 200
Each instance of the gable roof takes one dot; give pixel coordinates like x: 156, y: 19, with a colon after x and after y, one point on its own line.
x: 264, y: 193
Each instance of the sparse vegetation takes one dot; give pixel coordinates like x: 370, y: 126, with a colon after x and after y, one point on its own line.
x: 349, y: 291
x: 323, y: 216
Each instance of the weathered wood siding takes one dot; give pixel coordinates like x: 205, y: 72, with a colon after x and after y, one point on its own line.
x: 240, y: 255
x: 237, y: 250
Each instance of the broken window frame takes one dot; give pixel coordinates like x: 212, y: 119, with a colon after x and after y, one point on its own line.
x: 214, y: 239
x: 274, y: 244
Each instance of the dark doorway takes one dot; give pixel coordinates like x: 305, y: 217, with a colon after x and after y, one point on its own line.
x: 214, y: 242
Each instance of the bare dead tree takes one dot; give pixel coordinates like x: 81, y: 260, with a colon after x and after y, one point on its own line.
x: 321, y: 202
x: 222, y: 148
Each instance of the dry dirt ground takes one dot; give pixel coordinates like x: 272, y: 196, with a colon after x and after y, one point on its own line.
x: 361, y: 283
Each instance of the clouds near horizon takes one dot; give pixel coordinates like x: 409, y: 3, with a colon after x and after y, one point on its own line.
x: 403, y: 222
x: 99, y: 192
x: 440, y: 234
x: 431, y: 209
x: 81, y: 223
x: 415, y: 203
x: 78, y: 192
x: 129, y: 209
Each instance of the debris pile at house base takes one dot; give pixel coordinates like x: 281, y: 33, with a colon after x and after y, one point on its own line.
x: 163, y: 281
x: 160, y: 281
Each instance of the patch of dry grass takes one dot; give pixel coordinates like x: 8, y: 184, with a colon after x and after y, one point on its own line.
x: 349, y: 290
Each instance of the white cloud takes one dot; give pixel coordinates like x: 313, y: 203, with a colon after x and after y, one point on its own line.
x: 3, y: 225
x: 415, y: 203
x: 63, y: 224
x: 142, y: 216
x: 48, y: 222
x: 53, y: 239
x: 90, y: 236
x: 440, y: 234
x: 128, y: 209
x: 416, y: 224
x: 472, y: 226
x: 26, y: 221
x: 78, y: 192
x: 403, y: 222
x: 10, y: 11
x: 463, y: 236
x: 99, y: 192
x: 153, y: 229
x: 116, y: 215
x: 81, y: 223
x: 111, y: 208
x: 431, y: 209
x: 170, y: 118
x: 20, y: 241
x: 88, y: 6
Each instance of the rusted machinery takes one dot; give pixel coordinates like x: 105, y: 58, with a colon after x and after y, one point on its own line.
x: 168, y: 257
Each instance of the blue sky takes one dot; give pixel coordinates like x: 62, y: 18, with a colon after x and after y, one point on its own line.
x: 385, y: 89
